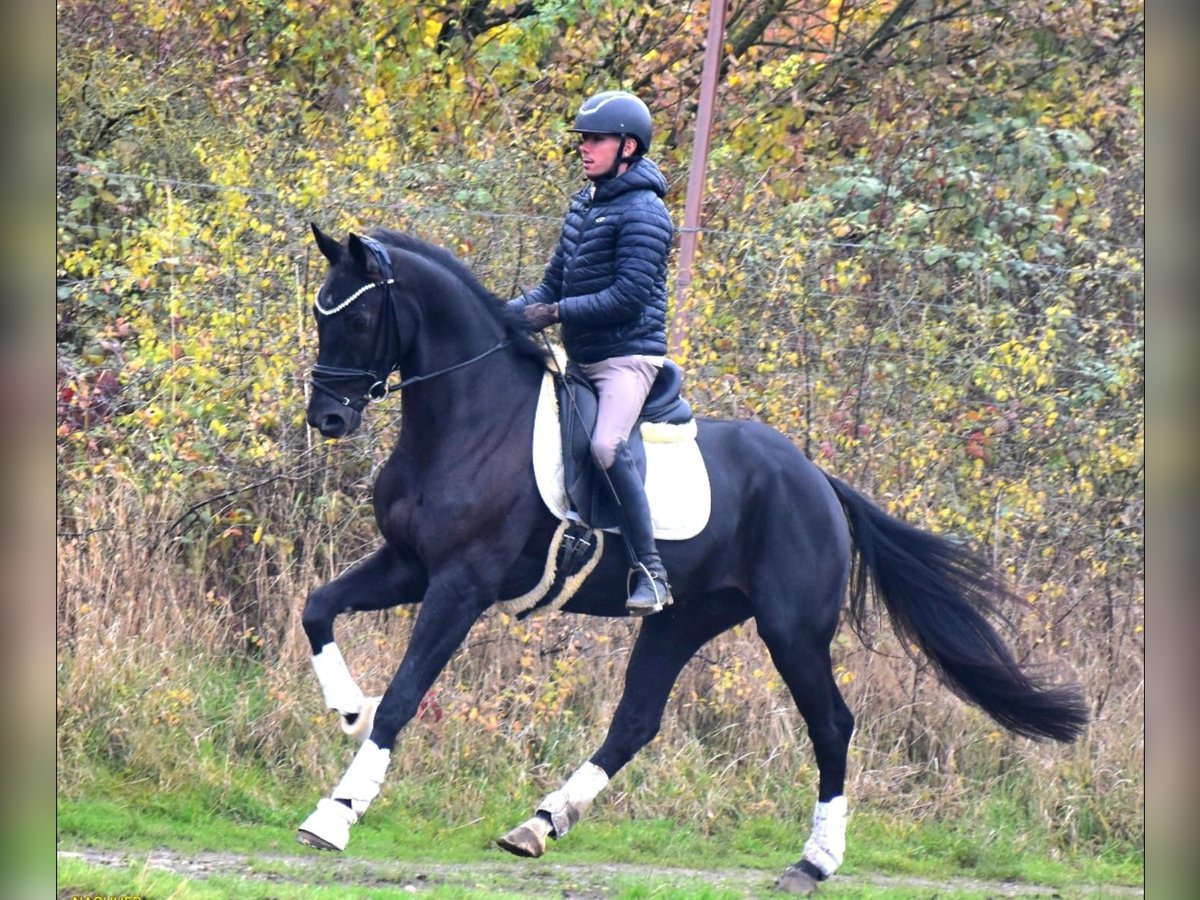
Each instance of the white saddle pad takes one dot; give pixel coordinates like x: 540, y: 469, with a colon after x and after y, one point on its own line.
x: 677, y: 487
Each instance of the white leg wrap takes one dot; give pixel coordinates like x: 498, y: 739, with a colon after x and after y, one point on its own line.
x: 360, y: 728
x: 362, y: 781
x: 331, y: 823
x: 337, y: 684
x: 360, y: 785
x: 826, y: 846
x: 566, y: 805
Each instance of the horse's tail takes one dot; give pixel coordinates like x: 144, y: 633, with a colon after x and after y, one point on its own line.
x: 937, y: 593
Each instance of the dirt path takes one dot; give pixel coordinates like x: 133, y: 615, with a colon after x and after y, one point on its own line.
x: 536, y: 878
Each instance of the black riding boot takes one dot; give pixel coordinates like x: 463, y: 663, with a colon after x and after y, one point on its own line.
x: 650, y: 591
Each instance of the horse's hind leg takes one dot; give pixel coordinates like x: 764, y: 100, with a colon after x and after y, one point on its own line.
x: 664, y: 644
x: 384, y: 579
x: 798, y: 635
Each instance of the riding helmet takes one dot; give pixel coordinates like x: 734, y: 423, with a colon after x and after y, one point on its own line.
x: 616, y: 112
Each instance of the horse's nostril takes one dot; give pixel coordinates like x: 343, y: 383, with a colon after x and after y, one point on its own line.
x: 333, y: 421
x: 332, y: 425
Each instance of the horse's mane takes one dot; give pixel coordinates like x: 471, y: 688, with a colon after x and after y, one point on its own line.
x: 522, y: 342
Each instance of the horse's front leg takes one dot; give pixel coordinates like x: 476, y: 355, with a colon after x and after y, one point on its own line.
x: 384, y: 579
x: 452, y: 604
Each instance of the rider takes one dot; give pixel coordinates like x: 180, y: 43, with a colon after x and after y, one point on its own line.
x: 607, y: 284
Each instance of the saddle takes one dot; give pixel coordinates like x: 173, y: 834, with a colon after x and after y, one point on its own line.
x: 585, y: 484
x: 665, y: 451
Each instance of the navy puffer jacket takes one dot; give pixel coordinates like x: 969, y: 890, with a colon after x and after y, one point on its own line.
x: 608, y: 274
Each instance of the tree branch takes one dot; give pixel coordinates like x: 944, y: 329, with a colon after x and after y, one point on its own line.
x: 752, y: 33
x: 886, y: 31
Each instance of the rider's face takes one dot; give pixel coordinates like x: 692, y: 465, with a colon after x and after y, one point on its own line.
x: 599, y: 152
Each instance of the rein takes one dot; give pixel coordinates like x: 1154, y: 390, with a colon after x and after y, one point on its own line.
x: 324, y: 377
x: 381, y: 388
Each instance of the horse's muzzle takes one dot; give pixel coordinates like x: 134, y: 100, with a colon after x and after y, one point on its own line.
x: 332, y: 420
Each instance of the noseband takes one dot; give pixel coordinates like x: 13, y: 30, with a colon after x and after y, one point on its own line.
x: 326, y: 378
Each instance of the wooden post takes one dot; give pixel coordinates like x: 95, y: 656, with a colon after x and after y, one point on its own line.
x: 690, y: 233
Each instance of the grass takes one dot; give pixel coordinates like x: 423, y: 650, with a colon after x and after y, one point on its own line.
x: 79, y: 878
x: 489, y: 877
x: 139, y: 820
x: 180, y: 728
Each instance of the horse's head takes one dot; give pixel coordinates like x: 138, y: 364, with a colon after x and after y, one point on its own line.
x: 356, y: 331
x: 398, y: 301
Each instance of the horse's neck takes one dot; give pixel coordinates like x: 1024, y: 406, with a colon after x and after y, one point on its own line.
x: 483, y: 388
x: 481, y: 405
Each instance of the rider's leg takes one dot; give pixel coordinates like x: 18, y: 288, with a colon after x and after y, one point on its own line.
x: 622, y: 385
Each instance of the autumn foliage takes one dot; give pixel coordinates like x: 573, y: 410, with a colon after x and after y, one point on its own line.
x: 921, y: 258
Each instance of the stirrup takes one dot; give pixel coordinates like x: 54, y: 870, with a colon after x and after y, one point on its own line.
x: 662, y: 593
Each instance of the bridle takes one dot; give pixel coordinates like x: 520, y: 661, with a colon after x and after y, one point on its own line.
x: 327, y: 378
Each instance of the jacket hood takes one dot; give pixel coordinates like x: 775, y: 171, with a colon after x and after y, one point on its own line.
x: 642, y: 175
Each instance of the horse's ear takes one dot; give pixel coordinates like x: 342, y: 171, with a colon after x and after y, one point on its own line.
x: 330, y: 248
x: 363, y: 257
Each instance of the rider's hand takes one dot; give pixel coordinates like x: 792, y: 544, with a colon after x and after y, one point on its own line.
x: 539, y: 315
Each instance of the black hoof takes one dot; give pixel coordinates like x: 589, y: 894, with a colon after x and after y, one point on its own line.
x: 308, y: 839
x: 521, y: 841
x: 798, y: 879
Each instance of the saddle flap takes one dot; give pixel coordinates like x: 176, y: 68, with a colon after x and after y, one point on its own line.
x: 667, y: 456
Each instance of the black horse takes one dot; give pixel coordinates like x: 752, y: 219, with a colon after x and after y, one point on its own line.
x: 463, y: 523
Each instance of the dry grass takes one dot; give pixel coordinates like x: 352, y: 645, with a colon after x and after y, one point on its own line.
x: 187, y: 662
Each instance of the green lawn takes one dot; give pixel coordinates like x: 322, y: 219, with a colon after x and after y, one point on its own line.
x: 618, y: 857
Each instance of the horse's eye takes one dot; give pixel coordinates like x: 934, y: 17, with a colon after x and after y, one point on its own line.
x: 359, y: 322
